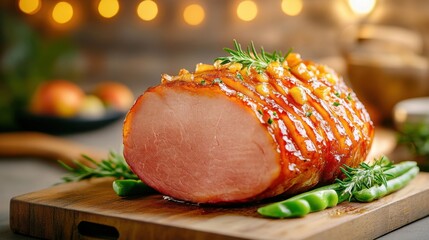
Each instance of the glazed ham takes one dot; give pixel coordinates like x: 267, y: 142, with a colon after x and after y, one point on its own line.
x: 224, y: 134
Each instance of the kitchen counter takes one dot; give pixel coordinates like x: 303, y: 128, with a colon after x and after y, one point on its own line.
x: 22, y: 175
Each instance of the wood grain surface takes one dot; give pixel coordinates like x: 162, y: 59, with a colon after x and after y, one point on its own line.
x: 90, y: 209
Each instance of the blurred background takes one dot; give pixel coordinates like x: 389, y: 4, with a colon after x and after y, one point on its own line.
x: 381, y: 47
x: 94, y: 57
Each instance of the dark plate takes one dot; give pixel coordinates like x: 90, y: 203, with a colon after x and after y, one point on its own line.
x: 59, y: 125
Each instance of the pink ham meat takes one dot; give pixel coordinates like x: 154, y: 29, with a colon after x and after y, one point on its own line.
x: 225, y: 135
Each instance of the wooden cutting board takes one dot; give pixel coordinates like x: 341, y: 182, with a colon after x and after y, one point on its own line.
x: 90, y: 209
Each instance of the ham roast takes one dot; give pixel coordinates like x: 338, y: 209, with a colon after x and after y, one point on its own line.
x: 228, y: 134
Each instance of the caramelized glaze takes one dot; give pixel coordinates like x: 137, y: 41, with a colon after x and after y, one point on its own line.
x: 315, y: 119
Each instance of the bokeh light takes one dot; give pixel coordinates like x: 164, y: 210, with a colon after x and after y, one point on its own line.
x: 62, y: 12
x: 147, y: 10
x: 108, y: 8
x: 292, y: 7
x: 29, y: 6
x: 362, y: 7
x: 247, y: 10
x: 194, y: 14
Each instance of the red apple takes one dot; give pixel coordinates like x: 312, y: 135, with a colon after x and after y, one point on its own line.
x: 114, y: 95
x: 57, y: 98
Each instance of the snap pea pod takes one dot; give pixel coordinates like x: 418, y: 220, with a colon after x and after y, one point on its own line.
x: 131, y: 187
x: 302, y: 204
x: 392, y: 185
x: 330, y: 195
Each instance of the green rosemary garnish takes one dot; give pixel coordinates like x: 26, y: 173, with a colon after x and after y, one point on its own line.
x: 239, y: 76
x: 250, y: 58
x: 349, y: 97
x: 114, y: 166
x: 217, y: 80
x: 336, y: 104
x: 364, y: 176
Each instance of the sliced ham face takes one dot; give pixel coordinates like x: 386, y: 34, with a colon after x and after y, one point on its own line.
x: 224, y: 135
x: 199, y: 145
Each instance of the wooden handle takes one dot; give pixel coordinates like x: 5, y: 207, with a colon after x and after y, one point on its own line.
x: 34, y: 144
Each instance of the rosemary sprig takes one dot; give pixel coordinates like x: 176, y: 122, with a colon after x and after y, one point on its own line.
x: 250, y: 58
x: 114, y: 166
x: 364, y: 176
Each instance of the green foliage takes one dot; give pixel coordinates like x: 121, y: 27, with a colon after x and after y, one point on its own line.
x: 27, y: 59
x: 364, y: 176
x: 250, y: 58
x: 416, y: 138
x: 114, y: 166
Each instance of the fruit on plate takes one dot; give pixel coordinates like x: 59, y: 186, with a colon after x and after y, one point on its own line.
x: 92, y: 107
x: 59, y: 98
x: 62, y: 98
x: 250, y: 126
x: 114, y: 95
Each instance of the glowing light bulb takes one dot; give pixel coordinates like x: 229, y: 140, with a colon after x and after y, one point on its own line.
x: 63, y: 12
x: 29, y: 6
x: 108, y: 8
x: 194, y: 14
x: 247, y: 10
x: 147, y: 10
x: 292, y: 7
x: 362, y: 7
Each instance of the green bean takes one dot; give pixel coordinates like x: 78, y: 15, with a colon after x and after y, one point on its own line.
x: 131, y: 187
x: 301, y: 204
x: 392, y: 185
x: 399, y: 169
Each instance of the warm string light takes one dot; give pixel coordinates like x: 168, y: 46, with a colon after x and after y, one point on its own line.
x: 194, y: 14
x: 29, y: 6
x: 147, y: 10
x: 362, y: 7
x: 247, y: 10
x: 292, y: 7
x: 62, y: 12
x: 108, y: 8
